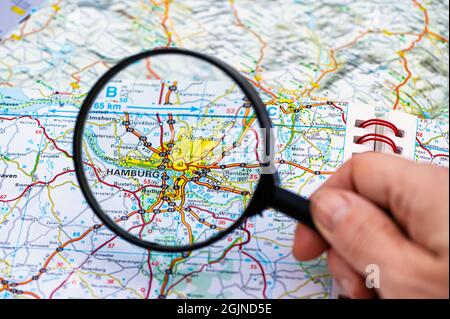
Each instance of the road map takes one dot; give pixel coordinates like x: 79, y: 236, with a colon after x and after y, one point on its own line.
x: 174, y: 171
x: 309, y: 61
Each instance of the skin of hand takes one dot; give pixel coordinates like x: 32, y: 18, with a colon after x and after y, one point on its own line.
x: 410, y: 247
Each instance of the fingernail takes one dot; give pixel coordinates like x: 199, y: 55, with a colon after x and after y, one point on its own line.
x: 329, y: 209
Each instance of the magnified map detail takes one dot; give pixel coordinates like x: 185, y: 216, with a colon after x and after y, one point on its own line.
x: 172, y: 162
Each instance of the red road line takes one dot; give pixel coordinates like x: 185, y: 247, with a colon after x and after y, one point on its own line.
x: 161, y: 93
x: 161, y: 141
x: 213, y: 214
x: 34, y: 184
x: 399, y: 86
x: 262, y: 272
x: 150, y: 275
x: 41, y: 127
x: 342, y: 112
x: 76, y: 269
x: 150, y: 71
x: 429, y: 152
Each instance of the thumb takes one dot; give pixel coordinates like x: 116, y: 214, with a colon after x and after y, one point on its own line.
x: 359, y: 230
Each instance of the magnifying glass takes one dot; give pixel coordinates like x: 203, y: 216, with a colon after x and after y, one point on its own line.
x: 173, y: 150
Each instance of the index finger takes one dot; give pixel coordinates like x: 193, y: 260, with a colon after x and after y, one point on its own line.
x: 392, y: 183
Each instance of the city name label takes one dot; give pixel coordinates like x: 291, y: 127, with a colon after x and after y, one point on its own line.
x: 133, y: 173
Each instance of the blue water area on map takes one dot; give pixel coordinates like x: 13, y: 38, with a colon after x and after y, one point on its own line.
x: 13, y: 100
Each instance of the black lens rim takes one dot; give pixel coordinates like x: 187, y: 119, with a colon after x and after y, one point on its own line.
x: 264, y: 190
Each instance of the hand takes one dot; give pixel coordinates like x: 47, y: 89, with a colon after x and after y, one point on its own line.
x: 411, y: 248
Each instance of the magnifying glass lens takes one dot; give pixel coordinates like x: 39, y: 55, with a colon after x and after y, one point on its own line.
x: 172, y: 150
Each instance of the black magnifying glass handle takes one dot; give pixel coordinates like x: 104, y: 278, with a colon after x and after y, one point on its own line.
x: 294, y: 206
